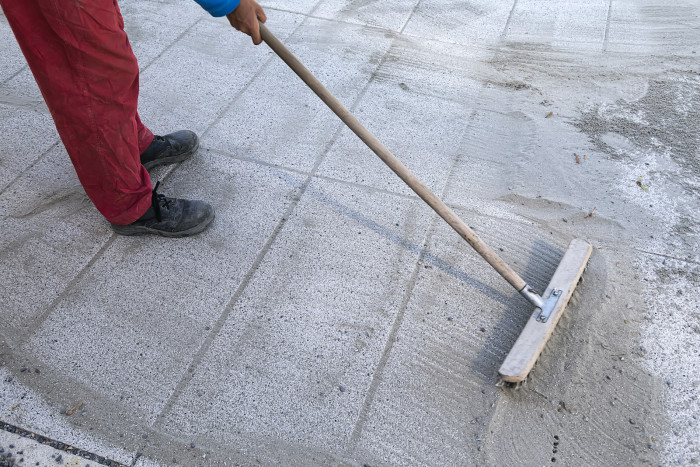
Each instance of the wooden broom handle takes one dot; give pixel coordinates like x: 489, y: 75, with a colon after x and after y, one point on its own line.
x: 389, y: 159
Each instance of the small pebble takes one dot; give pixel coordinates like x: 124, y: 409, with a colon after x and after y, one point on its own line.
x: 564, y: 219
x: 632, y: 422
x: 449, y: 318
x: 342, y: 388
x: 144, y: 436
x: 482, y: 329
x: 192, y: 445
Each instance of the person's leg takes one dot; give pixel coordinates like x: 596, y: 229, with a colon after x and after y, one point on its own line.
x: 145, y: 137
x: 82, y: 61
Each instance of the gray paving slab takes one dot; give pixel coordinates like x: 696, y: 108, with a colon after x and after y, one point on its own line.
x: 294, y: 126
x: 301, y: 6
x: 195, y: 79
x: 415, y: 130
x: 27, y: 135
x: 391, y: 15
x: 427, y: 67
x: 295, y: 358
x: 481, y: 21
x: 310, y: 325
x: 458, y: 325
x: 22, y: 92
x: 653, y: 27
x: 157, y: 298
x: 12, y: 60
x: 152, y: 26
x: 50, y: 233
x: 575, y: 25
x: 25, y: 407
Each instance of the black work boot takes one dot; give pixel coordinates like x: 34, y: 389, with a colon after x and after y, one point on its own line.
x: 170, y: 217
x: 169, y: 149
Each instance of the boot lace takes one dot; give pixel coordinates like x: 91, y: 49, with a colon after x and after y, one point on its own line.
x: 158, y: 200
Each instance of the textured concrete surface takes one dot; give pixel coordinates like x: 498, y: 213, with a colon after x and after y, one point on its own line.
x: 328, y: 317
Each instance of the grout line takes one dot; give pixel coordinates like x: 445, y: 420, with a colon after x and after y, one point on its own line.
x: 391, y: 338
x: 398, y: 321
x: 225, y: 109
x: 199, y: 356
x: 253, y: 160
x: 408, y: 20
x: 29, y: 167
x: 36, y: 324
x: 662, y: 255
x: 510, y: 18
x: 373, y: 189
x: 607, y: 27
x: 172, y: 44
x: 14, y: 75
x: 216, y: 328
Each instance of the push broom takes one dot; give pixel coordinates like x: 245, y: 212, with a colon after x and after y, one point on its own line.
x: 549, y: 306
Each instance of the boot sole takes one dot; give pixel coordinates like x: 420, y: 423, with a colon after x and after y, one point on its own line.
x: 173, y: 159
x: 130, y: 231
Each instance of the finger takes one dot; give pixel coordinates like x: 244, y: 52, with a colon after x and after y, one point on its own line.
x: 261, y: 15
x: 255, y: 33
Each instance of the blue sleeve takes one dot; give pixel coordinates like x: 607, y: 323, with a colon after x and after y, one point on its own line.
x: 219, y: 7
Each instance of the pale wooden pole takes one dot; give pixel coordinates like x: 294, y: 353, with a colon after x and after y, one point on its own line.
x: 394, y: 164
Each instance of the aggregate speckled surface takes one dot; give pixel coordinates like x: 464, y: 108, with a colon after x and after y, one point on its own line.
x: 328, y: 317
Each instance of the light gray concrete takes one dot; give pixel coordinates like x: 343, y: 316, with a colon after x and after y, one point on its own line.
x: 328, y: 316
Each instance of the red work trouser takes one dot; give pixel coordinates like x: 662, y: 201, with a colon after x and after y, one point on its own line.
x: 83, y: 63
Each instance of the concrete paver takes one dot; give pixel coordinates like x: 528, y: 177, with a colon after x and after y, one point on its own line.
x: 279, y: 106
x: 328, y: 317
x: 442, y: 124
x: 43, y: 260
x: 391, y: 15
x: 577, y: 25
x: 168, y: 298
x: 481, y: 21
x: 317, y: 317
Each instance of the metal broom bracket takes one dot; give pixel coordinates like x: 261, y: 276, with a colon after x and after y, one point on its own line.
x: 546, y: 305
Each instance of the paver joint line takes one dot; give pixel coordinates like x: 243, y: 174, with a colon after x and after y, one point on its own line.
x: 607, y: 27
x: 67, y: 289
x: 249, y: 274
x: 377, y: 377
x: 408, y: 20
x: 33, y: 164
x: 510, y: 18
x: 14, y: 75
